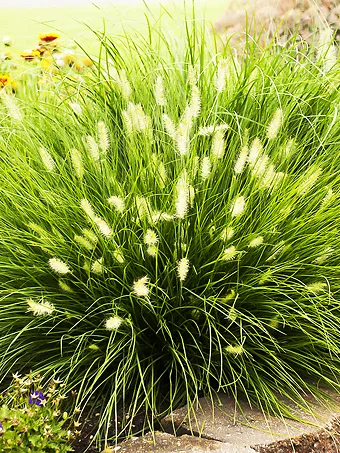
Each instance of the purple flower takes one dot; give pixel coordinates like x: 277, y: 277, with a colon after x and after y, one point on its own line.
x: 36, y: 398
x: 1, y: 428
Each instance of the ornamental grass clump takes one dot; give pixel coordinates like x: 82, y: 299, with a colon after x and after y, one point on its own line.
x: 179, y: 237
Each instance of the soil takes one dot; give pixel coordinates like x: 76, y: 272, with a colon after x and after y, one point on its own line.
x: 326, y: 440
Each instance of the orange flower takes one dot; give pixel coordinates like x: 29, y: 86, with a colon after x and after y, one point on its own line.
x: 30, y: 55
x: 69, y: 59
x: 48, y: 37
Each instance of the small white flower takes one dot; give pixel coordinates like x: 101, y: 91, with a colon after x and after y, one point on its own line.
x: 140, y: 287
x: 256, y: 242
x: 159, y: 91
x: 113, y: 323
x: 183, y: 269
x: 269, y: 176
x: 103, y: 136
x: 77, y: 163
x: 76, y: 108
x: 150, y: 237
x: 47, y: 159
x: 275, y: 125
x: 58, y: 266
x: 241, y: 160
x: 41, y: 308
x: 87, y: 208
x: 205, y: 168
x: 117, y: 202
x: 97, y: 266
x: 238, y: 206
x: 158, y: 216
x: 103, y: 227
x: 7, y: 41
x: 229, y: 253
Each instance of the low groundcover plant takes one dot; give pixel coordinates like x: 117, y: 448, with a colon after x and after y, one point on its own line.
x: 177, y: 233
x: 31, y: 420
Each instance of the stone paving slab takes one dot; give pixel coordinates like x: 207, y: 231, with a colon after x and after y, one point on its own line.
x: 247, y: 427
x: 167, y: 443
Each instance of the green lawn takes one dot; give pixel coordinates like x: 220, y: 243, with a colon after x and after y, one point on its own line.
x: 24, y: 24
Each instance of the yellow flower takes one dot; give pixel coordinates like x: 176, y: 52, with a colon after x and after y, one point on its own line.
x: 46, y: 64
x: 30, y: 55
x: 70, y: 59
x: 48, y: 37
x: 7, y: 81
x: 87, y: 62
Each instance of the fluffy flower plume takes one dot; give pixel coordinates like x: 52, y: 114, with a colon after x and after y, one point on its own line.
x: 275, y: 124
x: 103, y: 227
x: 241, y: 160
x: 41, y: 308
x: 103, y: 136
x: 11, y: 104
x: 234, y: 350
x: 218, y: 144
x: 87, y: 208
x: 169, y: 126
x: 140, y: 287
x: 238, y: 206
x: 183, y: 269
x: 256, y: 242
x: 136, y: 120
x: 255, y: 151
x: 150, y: 237
x: 47, y: 159
x: 58, y: 266
x: 124, y: 85
x: 97, y: 266
x: 205, y: 168
x: 118, y: 255
x: 76, y: 108
x: 182, y: 139
x: 117, y: 202
x: 229, y: 253
x: 77, y: 163
x: 221, y: 76
x: 113, y: 323
x: 309, y: 179
x: 84, y: 242
x: 159, y: 91
x: 182, y: 203
x: 93, y: 148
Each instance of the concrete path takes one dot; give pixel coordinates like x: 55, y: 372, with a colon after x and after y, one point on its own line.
x: 225, y: 427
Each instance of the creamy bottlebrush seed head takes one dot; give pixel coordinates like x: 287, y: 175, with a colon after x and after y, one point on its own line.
x: 178, y: 233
